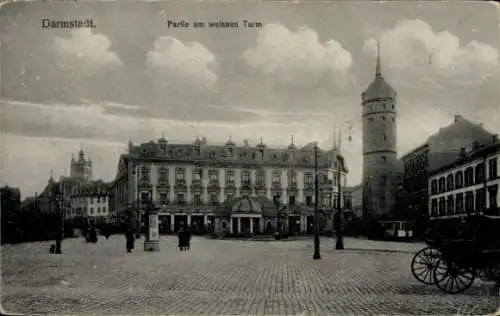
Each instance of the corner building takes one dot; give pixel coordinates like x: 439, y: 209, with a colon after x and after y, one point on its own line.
x: 239, y: 189
x: 380, y: 162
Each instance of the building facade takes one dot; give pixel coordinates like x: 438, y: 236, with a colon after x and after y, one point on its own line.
x: 380, y: 162
x: 90, y: 201
x: 467, y: 186
x: 441, y: 149
x: 355, y: 196
x: 193, y: 183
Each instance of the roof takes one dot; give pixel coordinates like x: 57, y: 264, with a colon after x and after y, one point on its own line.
x: 93, y: 188
x: 379, y: 88
x: 258, y: 205
x: 481, y: 152
x: 203, y: 153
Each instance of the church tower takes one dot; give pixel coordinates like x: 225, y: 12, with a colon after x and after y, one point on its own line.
x: 81, y: 168
x: 380, y: 163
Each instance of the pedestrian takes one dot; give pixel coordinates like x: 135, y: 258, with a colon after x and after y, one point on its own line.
x: 93, y: 235
x: 188, y: 233
x: 129, y: 236
x: 181, y: 235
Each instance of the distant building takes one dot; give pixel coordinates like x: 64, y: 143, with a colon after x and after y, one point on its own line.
x: 469, y: 185
x: 81, y: 169
x: 57, y: 194
x: 355, y: 197
x: 441, y: 149
x: 381, y: 167
x: 197, y: 183
x: 90, y: 200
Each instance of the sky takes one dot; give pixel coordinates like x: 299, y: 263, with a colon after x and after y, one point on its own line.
x: 300, y: 74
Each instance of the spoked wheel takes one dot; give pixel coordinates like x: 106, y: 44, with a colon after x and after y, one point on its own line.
x: 451, y: 278
x: 423, y: 264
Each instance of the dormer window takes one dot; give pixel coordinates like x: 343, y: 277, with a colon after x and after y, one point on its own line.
x: 163, y: 147
x: 292, y: 155
x: 197, y: 150
x: 261, y: 154
x: 229, y: 152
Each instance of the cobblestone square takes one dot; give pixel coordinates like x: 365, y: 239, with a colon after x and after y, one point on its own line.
x: 225, y: 277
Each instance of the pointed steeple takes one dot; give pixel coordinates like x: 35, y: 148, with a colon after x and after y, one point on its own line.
x: 378, y: 88
x: 378, y: 67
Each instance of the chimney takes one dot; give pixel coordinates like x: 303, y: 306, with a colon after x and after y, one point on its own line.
x: 203, y: 140
x: 457, y: 117
x: 245, y: 143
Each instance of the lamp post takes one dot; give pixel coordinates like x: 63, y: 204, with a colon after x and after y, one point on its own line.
x: 339, y: 245
x: 60, y: 231
x: 316, y: 255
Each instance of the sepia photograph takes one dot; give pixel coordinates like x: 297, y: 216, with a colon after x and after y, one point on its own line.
x: 250, y: 158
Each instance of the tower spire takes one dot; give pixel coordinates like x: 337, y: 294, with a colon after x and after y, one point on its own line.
x: 378, y: 68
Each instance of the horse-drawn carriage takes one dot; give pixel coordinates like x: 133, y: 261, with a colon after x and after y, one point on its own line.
x: 454, y: 262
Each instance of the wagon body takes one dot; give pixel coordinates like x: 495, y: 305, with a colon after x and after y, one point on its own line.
x: 453, y: 263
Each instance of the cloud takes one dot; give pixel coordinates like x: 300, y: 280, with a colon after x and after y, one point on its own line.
x: 412, y: 45
x: 117, y: 122
x: 85, y: 53
x: 297, y: 56
x: 174, y: 62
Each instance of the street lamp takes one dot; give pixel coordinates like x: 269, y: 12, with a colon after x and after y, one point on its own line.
x: 339, y: 245
x: 316, y: 255
x: 60, y: 231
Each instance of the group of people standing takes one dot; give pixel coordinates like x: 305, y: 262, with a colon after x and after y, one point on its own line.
x: 184, y: 236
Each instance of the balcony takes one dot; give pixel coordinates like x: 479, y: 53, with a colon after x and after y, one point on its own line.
x: 163, y: 184
x: 180, y: 184
x: 197, y: 184
x: 308, y: 186
x: 276, y: 186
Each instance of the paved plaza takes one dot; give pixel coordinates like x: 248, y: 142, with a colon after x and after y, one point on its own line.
x: 225, y: 277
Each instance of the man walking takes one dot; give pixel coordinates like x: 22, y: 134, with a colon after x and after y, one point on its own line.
x: 129, y: 236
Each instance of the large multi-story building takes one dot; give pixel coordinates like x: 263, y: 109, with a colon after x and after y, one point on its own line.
x: 381, y: 167
x: 439, y: 150
x: 467, y: 186
x: 90, y: 200
x: 189, y: 183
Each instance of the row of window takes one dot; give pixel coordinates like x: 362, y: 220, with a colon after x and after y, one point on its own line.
x: 213, y: 177
x: 78, y: 211
x: 460, y: 179
x: 467, y: 202
x: 214, y: 199
x: 99, y: 199
x: 228, y: 152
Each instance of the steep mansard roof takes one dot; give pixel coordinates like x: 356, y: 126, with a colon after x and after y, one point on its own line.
x: 201, y: 152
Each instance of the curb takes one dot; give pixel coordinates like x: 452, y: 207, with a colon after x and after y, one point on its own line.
x: 379, y: 250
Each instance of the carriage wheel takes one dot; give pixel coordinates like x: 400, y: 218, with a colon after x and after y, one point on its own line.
x: 451, y: 278
x: 423, y: 264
